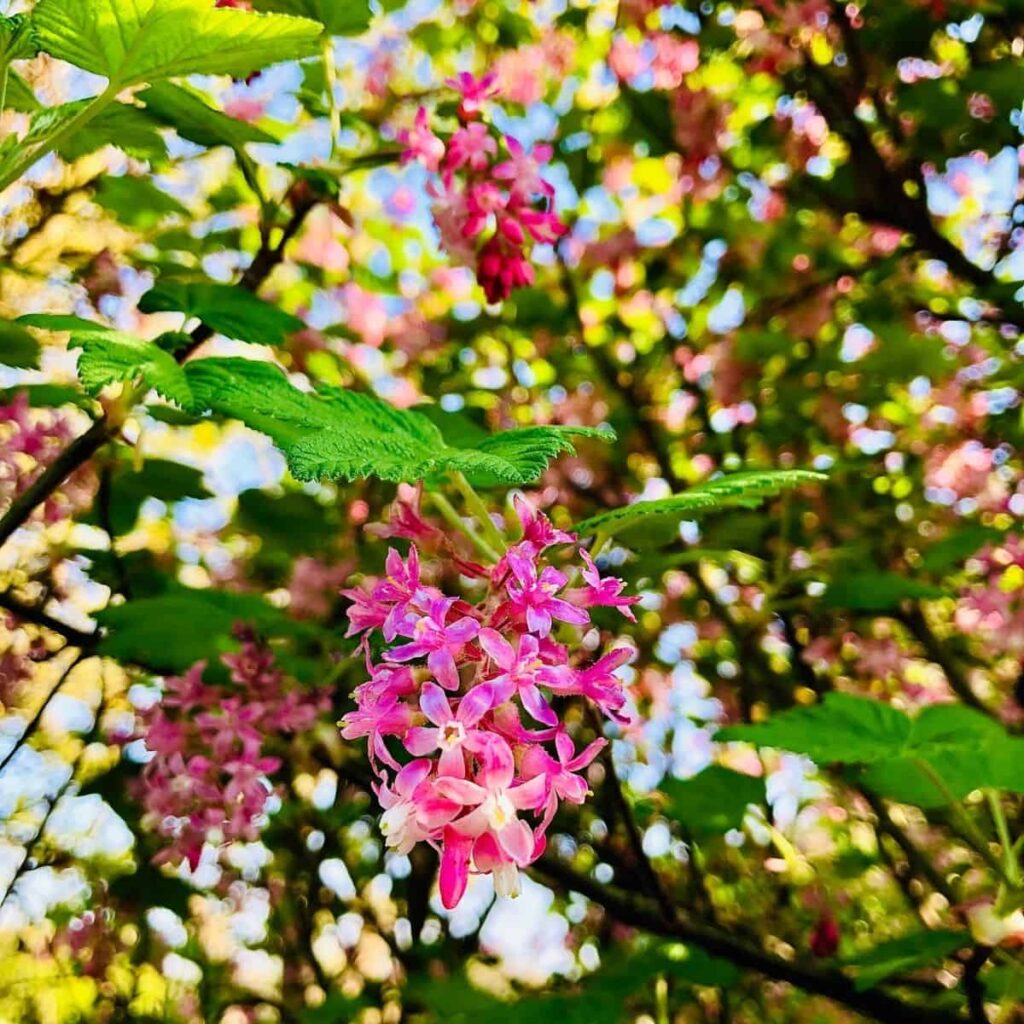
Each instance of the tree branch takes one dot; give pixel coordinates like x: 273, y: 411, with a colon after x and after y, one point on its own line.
x: 82, y: 449
x: 644, y: 914
x: 37, y: 617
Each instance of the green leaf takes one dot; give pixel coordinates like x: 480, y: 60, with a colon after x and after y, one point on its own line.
x: 225, y: 308
x: 919, y: 949
x: 131, y: 41
x: 339, y: 17
x: 945, y: 752
x: 598, y: 998
x: 744, y: 490
x: 17, y: 38
x: 157, y: 478
x: 347, y: 435
x: 136, y: 200
x: 19, y: 96
x: 43, y: 124
x: 875, y: 591
x: 109, y: 356
x: 194, y: 119
x: 60, y: 322
x: 294, y: 521
x: 170, y: 632
x: 17, y: 347
x: 963, y: 542
x: 843, y: 728
x: 962, y: 748
x: 129, y: 128
x: 714, y: 801
x: 45, y: 396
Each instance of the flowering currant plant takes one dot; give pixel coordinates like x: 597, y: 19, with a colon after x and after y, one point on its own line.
x: 491, y: 203
x: 467, y: 691
x: 510, y: 510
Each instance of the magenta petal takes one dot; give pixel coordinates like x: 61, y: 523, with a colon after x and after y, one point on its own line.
x: 420, y: 740
x: 452, y: 763
x: 435, y: 704
x: 406, y: 652
x: 454, y: 868
x: 538, y: 620
x: 497, y: 765
x: 529, y: 794
x: 411, y: 776
x: 537, y: 705
x: 476, y: 704
x: 461, y: 791
x: 516, y: 839
x: 498, y: 648
x: 442, y: 665
x: 462, y: 631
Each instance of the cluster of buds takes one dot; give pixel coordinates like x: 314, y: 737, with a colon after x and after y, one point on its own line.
x: 491, y: 202
x: 208, y: 777
x: 461, y: 710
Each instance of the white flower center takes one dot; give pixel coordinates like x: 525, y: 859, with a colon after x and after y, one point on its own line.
x: 452, y: 734
x: 499, y: 810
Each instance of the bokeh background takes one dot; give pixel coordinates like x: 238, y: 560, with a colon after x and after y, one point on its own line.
x: 792, y: 240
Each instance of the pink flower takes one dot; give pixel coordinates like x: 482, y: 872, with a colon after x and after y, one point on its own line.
x: 386, y: 715
x: 412, y: 810
x: 452, y: 730
x: 405, y: 519
x: 365, y: 612
x: 604, y: 591
x: 207, y: 780
x: 472, y: 146
x: 522, y: 168
x: 438, y: 641
x: 502, y: 269
x: 400, y: 588
x: 561, y: 780
x: 464, y: 793
x: 538, y: 532
x: 421, y: 143
x: 482, y: 201
x: 599, y: 683
x: 474, y: 92
x: 521, y: 672
x: 533, y: 593
x: 495, y: 802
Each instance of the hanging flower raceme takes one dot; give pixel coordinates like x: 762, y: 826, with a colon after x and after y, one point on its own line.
x: 491, y: 202
x: 208, y: 777
x: 461, y: 710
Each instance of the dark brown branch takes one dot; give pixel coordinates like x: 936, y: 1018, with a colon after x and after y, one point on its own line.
x: 915, y: 621
x: 973, y: 986
x: 644, y: 914
x: 79, y: 452
x: 33, y: 722
x: 37, y: 617
x: 918, y: 862
x: 82, y: 449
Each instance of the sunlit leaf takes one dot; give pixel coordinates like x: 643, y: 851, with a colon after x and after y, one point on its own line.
x: 146, y: 40
x: 743, y: 490
x: 349, y: 435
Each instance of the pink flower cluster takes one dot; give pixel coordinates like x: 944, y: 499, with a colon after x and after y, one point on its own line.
x: 489, y: 209
x: 992, y: 608
x: 29, y: 440
x: 208, y: 777
x: 443, y: 710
